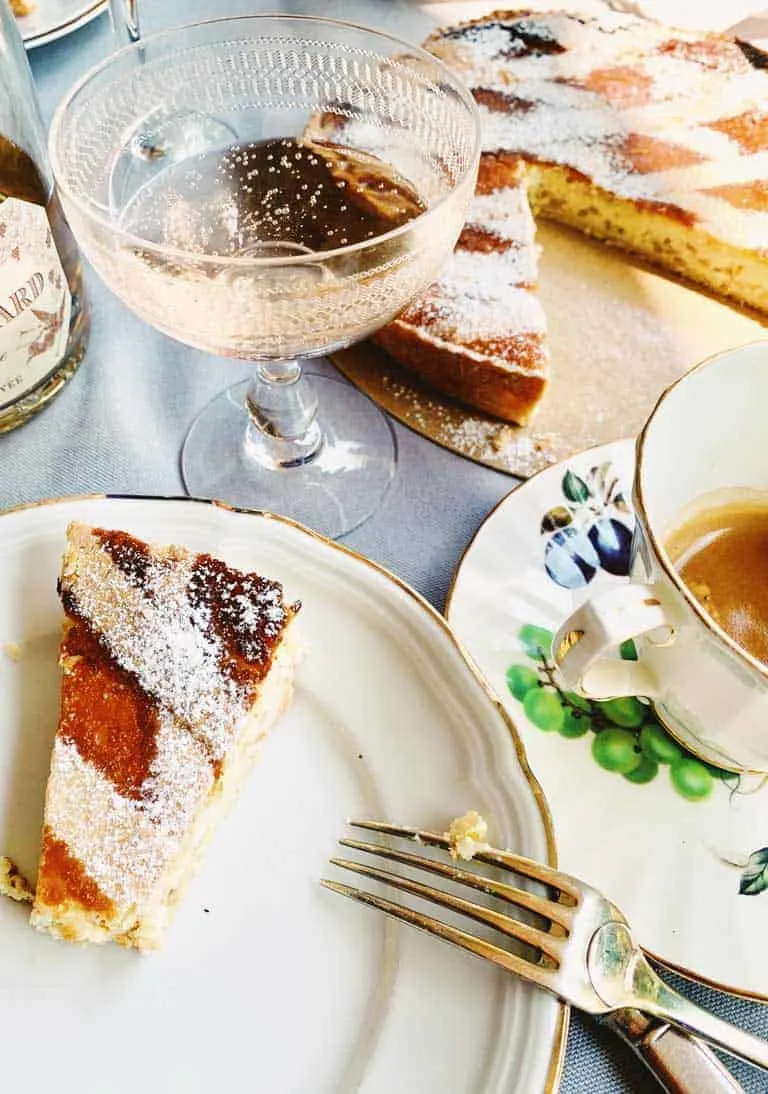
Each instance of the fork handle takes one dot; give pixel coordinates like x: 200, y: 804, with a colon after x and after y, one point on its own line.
x: 681, y: 1063
x: 668, y: 1005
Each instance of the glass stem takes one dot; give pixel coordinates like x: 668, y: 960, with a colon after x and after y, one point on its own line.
x: 125, y: 22
x: 283, y: 430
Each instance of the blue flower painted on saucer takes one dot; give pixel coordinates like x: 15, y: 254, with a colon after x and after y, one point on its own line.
x: 591, y: 531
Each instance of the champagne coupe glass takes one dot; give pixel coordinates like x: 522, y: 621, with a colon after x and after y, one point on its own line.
x: 342, y: 195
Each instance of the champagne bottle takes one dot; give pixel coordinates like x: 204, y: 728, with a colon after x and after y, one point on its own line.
x: 44, y: 316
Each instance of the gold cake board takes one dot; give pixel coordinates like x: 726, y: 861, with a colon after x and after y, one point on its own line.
x: 619, y: 334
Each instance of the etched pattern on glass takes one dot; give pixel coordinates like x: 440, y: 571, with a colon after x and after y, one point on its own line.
x: 241, y: 304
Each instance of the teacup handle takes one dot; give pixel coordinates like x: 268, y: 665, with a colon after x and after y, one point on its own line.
x: 584, y: 649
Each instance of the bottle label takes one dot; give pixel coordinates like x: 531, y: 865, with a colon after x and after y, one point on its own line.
x: 35, y: 301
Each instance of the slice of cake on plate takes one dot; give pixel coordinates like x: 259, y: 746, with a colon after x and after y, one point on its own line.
x: 174, y: 666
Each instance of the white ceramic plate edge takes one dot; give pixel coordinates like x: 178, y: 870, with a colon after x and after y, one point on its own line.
x: 560, y: 1027
x: 82, y: 16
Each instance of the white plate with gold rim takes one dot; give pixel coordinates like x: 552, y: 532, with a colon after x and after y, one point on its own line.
x: 50, y: 20
x: 266, y: 980
x: 681, y: 848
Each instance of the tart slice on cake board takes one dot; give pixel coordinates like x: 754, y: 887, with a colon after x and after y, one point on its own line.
x: 174, y: 667
x: 479, y: 333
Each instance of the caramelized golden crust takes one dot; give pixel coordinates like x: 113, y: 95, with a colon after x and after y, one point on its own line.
x: 648, y: 155
x: 62, y: 879
x: 479, y: 240
x: 483, y: 382
x: 499, y: 171
x: 749, y: 130
x: 105, y: 712
x: 752, y: 196
x: 620, y: 85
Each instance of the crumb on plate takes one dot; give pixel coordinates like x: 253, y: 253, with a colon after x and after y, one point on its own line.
x: 13, y: 883
x: 467, y: 836
x: 12, y: 650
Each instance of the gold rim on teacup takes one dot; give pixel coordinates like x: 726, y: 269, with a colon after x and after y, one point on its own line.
x: 660, y: 551
x: 709, y: 691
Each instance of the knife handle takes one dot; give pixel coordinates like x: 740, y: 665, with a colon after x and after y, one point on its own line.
x: 681, y: 1063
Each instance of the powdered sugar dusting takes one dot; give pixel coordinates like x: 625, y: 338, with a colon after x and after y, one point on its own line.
x: 475, y: 435
x: 478, y: 297
x: 487, y: 295
x: 166, y: 637
x: 591, y: 89
x: 127, y: 844
x: 505, y: 214
x: 247, y: 607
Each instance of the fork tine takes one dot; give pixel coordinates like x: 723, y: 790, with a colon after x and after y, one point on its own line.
x: 557, y: 913
x: 512, y: 928
x: 538, y: 974
x: 536, y: 871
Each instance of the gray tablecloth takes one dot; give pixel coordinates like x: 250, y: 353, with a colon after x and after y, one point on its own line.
x: 120, y: 423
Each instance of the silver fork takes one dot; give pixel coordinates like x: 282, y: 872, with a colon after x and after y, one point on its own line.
x: 586, y: 954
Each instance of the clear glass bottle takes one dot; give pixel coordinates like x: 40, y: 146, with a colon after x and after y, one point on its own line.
x: 44, y: 316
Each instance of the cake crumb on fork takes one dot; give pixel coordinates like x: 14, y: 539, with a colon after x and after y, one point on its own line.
x: 467, y: 836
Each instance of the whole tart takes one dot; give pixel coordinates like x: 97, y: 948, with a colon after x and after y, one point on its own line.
x: 647, y: 137
x: 174, y: 667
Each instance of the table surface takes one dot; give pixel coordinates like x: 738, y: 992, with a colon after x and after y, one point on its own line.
x: 119, y: 425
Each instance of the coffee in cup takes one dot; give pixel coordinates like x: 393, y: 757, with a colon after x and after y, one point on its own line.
x: 696, y: 604
x: 720, y: 550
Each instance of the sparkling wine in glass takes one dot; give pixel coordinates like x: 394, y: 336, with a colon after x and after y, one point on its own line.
x: 343, y: 193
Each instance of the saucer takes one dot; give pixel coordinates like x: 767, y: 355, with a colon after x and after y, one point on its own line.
x: 679, y: 846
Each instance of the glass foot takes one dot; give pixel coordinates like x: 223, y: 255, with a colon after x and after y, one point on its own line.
x: 338, y: 487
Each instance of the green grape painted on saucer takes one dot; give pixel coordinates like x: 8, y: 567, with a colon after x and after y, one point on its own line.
x: 575, y: 723
x: 626, y: 737
x: 645, y: 772
x: 691, y: 779
x: 657, y: 744
x: 520, y: 680
x: 627, y: 712
x: 616, y: 749
x: 544, y: 709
